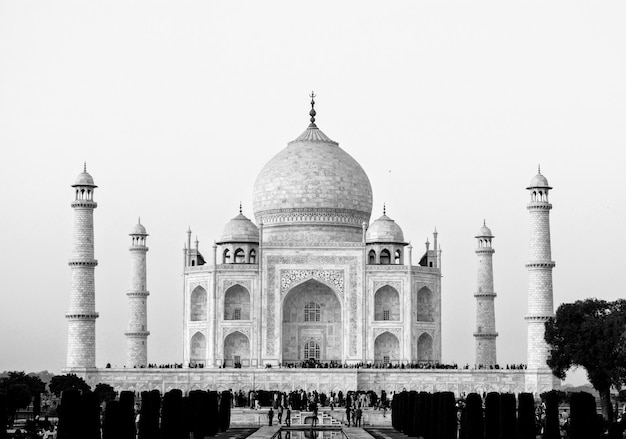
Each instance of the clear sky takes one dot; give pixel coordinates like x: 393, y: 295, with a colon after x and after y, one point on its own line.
x: 176, y: 105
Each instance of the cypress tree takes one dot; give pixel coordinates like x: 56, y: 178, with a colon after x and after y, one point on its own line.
x: 144, y: 417
x: 4, y: 413
x: 422, y: 413
x: 492, y: 415
x: 224, y: 415
x: 112, y: 426
x: 411, y: 418
x: 473, y: 425
x: 551, y: 429
x: 433, y: 431
x: 526, y: 416
x: 155, y: 414
x: 90, y: 415
x: 394, y: 411
x: 447, y: 416
x: 69, y: 415
x: 172, y: 415
x: 508, y: 419
x: 212, y: 414
x: 127, y: 415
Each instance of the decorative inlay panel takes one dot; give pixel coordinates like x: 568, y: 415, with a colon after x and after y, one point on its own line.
x: 395, y: 331
x: 202, y: 284
x: 292, y: 277
x: 393, y: 283
x: 245, y: 330
x: 229, y: 283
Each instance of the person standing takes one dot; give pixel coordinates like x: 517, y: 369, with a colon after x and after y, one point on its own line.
x: 358, y: 413
x: 348, y: 412
x: 270, y: 416
x: 288, y: 416
x: 280, y: 414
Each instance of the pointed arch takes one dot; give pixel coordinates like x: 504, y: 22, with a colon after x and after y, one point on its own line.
x: 425, y: 305
x: 197, y: 348
x: 371, y: 258
x: 240, y: 256
x: 236, y: 350
x: 425, y: 348
x: 386, y: 348
x: 198, y: 305
x: 237, y: 303
x: 308, y: 300
x: 387, y: 303
x: 385, y: 257
x: 226, y: 257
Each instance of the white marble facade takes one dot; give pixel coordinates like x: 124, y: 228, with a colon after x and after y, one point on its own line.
x: 312, y: 278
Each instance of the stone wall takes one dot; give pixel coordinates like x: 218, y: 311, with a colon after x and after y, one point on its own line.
x: 325, y: 380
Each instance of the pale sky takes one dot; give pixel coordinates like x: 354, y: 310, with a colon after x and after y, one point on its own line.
x: 176, y: 105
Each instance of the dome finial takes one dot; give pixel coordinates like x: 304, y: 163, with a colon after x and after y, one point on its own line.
x: 312, y: 113
x: 538, y: 169
x: 84, y: 166
x: 240, y: 209
x: 138, y: 220
x: 384, y: 209
x: 484, y: 223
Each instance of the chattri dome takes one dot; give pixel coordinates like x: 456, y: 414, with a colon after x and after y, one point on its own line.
x: 312, y: 181
x: 138, y: 229
x: 384, y: 229
x: 84, y: 179
x: 240, y: 229
x: 539, y: 181
x: 484, y: 232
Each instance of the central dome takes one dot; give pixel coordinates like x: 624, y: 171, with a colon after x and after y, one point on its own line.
x: 312, y: 181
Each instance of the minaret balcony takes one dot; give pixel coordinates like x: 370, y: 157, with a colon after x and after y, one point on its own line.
x: 82, y: 316
x: 82, y: 263
x: 540, y: 264
x: 84, y: 203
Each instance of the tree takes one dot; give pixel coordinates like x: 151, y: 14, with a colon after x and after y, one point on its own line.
x: 20, y: 389
x: 105, y: 392
x: 590, y: 333
x: 60, y: 383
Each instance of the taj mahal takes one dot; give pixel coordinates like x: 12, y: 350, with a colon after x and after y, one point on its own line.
x: 312, y: 292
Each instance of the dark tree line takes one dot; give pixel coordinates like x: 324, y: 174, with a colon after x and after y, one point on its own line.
x: 172, y: 417
x: 499, y: 416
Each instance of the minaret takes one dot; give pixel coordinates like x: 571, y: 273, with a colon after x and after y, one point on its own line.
x: 137, y: 334
x: 81, y: 316
x: 540, y: 264
x: 485, y: 334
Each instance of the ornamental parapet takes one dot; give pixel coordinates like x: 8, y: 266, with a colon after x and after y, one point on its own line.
x: 537, y: 264
x: 243, y: 267
x: 82, y: 262
x: 484, y: 250
x: 303, y: 215
x: 82, y: 316
x: 85, y: 203
x: 307, y: 244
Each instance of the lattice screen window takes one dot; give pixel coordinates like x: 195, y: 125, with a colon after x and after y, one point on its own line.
x: 386, y: 314
x: 311, y: 312
x: 237, y: 314
x: 312, y: 350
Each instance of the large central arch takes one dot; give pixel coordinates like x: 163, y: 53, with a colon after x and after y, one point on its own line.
x: 311, y: 315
